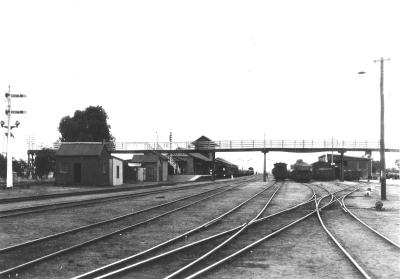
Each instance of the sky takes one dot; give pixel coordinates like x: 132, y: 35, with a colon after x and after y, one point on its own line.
x: 229, y: 70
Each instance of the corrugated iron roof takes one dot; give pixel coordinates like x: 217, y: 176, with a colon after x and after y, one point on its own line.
x: 80, y: 149
x: 147, y: 158
x: 203, y: 138
x: 200, y: 157
x: 225, y: 162
x: 204, y: 142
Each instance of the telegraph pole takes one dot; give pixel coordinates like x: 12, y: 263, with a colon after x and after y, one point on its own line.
x: 8, y: 95
x: 382, y: 141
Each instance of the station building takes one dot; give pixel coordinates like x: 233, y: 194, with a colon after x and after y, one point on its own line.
x: 91, y: 163
x: 199, y: 163
x: 87, y: 163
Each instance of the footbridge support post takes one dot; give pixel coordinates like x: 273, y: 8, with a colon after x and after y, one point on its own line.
x: 265, y: 166
x: 341, y: 166
x: 213, y: 166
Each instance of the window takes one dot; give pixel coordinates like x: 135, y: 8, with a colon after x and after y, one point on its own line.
x: 117, y: 171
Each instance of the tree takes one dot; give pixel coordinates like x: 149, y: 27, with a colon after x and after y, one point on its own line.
x: 3, y: 166
x: 45, y: 162
x: 89, y: 125
x: 20, y: 166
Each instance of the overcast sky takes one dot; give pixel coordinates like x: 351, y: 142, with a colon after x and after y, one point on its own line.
x: 224, y: 69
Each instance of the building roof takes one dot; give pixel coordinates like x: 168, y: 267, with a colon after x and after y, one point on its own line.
x: 147, y: 158
x: 203, y: 138
x: 225, y: 162
x: 200, y: 157
x: 204, y: 142
x: 80, y: 149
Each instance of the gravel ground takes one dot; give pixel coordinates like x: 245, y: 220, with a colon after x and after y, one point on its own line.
x: 137, y: 240
x: 31, y: 226
x: 303, y: 251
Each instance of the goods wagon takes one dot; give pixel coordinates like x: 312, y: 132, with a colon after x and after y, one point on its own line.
x: 280, y: 171
x: 301, y: 171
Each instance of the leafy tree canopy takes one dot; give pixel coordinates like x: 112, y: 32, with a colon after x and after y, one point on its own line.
x: 45, y: 162
x: 20, y: 166
x: 89, y: 125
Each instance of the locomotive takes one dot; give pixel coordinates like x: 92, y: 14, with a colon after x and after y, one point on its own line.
x: 301, y: 171
x: 280, y: 171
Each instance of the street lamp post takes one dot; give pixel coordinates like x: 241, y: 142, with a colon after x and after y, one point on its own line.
x: 382, y: 141
x: 382, y: 131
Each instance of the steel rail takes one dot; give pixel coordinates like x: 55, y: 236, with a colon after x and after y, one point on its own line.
x: 47, y: 207
x: 224, y: 242
x: 74, y: 247
x: 368, y: 226
x: 212, y: 237
x: 347, y: 254
x: 207, y: 224
x: 244, y: 249
x: 2, y: 250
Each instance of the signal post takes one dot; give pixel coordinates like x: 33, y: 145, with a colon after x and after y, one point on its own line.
x: 8, y: 95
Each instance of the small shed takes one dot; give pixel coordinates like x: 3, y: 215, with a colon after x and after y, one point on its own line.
x: 149, y: 167
x: 87, y: 163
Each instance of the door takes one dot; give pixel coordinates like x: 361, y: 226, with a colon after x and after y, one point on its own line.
x: 77, y: 173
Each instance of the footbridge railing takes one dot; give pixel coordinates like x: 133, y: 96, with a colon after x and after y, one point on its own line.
x: 247, y: 145
x: 244, y: 145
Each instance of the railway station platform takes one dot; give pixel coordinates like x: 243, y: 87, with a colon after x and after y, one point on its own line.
x: 51, y: 190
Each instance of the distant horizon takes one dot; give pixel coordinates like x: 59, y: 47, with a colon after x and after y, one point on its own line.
x: 225, y: 69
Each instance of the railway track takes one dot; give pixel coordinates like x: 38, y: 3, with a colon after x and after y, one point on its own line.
x: 186, y: 256
x: 138, y: 258
x: 296, y: 217
x: 20, y: 255
x: 200, y: 250
x: 68, y: 204
x: 370, y: 252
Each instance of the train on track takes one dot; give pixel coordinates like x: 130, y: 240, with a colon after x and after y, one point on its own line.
x: 280, y: 171
x: 323, y: 171
x: 227, y: 172
x: 301, y: 171
x: 304, y: 172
